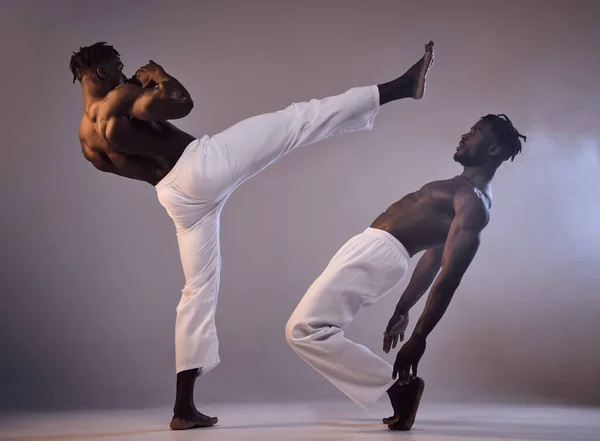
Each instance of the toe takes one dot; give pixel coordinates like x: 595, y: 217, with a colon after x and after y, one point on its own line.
x: 390, y: 420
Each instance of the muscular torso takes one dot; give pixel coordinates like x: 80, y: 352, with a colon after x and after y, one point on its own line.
x: 157, y: 145
x: 421, y: 220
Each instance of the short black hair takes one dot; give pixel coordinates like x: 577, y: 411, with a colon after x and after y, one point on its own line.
x: 91, y: 57
x: 506, y: 134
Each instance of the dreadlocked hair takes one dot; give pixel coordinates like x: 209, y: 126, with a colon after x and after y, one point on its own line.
x: 91, y: 57
x: 506, y: 135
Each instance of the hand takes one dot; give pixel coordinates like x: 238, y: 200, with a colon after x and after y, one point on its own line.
x: 149, y: 74
x: 394, y: 330
x: 408, y: 357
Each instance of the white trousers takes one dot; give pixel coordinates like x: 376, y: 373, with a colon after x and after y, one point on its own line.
x: 366, y: 268
x: 196, y: 189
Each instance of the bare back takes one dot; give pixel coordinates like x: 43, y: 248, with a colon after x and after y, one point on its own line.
x: 124, y: 128
x: 141, y: 150
x: 423, y: 219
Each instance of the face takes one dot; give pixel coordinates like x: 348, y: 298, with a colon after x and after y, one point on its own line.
x: 474, y: 147
x: 112, y: 72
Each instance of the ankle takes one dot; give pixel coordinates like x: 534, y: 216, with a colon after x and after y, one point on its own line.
x: 183, y: 411
x: 394, y: 90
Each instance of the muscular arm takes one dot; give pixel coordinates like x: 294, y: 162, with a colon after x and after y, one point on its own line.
x: 424, y: 273
x: 427, y: 268
x: 168, y: 100
x: 460, y: 249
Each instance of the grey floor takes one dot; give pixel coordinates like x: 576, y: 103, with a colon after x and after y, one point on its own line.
x: 312, y: 421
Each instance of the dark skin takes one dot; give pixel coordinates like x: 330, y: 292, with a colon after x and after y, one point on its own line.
x: 445, y: 219
x: 125, y: 131
x: 124, y: 128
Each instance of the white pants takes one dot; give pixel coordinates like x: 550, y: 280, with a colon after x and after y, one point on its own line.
x: 365, y: 269
x: 195, y: 190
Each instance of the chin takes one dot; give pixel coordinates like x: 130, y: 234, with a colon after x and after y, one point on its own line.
x: 466, y: 161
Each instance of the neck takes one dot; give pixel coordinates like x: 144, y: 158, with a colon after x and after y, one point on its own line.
x: 480, y: 176
x: 93, y: 89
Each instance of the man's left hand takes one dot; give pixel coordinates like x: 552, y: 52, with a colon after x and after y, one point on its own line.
x: 408, y: 357
x: 150, y: 74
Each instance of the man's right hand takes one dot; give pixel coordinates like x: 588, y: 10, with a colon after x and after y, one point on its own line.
x: 395, y: 330
x: 150, y: 74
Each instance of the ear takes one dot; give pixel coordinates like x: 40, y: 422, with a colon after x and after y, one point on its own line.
x: 101, y: 73
x: 494, y: 149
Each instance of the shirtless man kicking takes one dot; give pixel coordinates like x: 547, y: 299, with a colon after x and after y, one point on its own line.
x: 124, y: 131
x: 444, y: 218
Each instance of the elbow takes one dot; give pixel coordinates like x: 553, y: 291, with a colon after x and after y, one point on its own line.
x: 188, y: 106
x: 177, y: 110
x: 183, y: 108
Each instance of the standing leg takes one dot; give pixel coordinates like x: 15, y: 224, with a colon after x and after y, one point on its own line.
x: 196, y: 342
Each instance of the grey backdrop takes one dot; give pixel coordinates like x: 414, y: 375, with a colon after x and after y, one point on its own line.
x: 90, y: 272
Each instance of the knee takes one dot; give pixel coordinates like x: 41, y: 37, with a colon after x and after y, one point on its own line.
x: 301, y: 333
x: 290, y: 329
x: 296, y: 329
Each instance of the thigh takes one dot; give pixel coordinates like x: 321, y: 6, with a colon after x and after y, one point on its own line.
x: 360, y: 273
x: 199, y: 249
x: 253, y: 144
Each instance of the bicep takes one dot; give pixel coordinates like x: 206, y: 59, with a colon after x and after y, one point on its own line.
x: 153, y: 104
x: 130, y: 100
x: 146, y: 106
x: 460, y: 249
x: 463, y: 239
x: 430, y: 262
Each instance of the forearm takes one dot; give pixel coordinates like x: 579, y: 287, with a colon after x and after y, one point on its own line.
x: 422, y: 278
x: 171, y: 89
x: 437, y: 304
x: 414, y: 291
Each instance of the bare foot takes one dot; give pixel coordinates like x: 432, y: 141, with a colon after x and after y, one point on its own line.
x: 191, y: 421
x: 405, y: 402
x: 417, y: 74
x: 412, y: 83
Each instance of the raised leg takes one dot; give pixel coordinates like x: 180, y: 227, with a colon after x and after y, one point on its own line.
x: 412, y: 83
x: 227, y: 159
x: 250, y: 146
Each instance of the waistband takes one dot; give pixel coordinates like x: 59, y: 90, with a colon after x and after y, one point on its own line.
x: 389, y: 238
x: 169, y: 177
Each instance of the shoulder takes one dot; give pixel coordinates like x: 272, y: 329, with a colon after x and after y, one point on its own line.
x: 471, y: 208
x: 118, y: 101
x: 124, y: 91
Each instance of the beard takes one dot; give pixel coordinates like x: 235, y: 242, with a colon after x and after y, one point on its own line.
x: 468, y: 160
